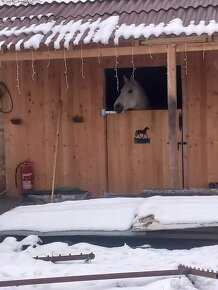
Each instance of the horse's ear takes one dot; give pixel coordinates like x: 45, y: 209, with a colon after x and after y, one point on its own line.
x: 125, y: 79
x: 133, y: 80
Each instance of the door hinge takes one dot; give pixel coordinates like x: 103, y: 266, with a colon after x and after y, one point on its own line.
x: 181, y: 143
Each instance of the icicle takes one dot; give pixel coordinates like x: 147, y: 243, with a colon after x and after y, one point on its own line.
x: 116, y: 68
x: 186, y: 59
x: 65, y: 72
x: 33, y: 68
x: 17, y: 75
x: 82, y: 62
x: 132, y: 63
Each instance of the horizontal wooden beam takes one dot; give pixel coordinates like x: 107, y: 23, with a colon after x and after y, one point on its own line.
x: 175, y: 40
x: 85, y: 53
x: 146, y: 48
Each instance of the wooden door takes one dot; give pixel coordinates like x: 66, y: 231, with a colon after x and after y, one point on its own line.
x: 134, y: 167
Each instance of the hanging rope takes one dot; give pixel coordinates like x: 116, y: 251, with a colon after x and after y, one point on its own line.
x: 17, y: 74
x: 33, y: 67
x: 49, y: 59
x: 116, y: 68
x: 132, y: 63
x: 203, y: 54
x: 186, y: 59
x: 151, y: 56
x: 99, y: 59
x: 65, y: 72
x: 82, y: 62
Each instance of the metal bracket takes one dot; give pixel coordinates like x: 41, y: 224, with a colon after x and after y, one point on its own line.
x: 104, y: 112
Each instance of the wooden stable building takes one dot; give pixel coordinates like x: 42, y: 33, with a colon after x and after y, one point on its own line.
x: 63, y: 66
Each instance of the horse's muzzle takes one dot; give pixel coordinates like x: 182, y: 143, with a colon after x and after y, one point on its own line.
x: 118, y: 108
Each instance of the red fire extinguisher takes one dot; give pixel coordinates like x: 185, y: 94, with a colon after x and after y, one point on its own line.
x: 26, y: 173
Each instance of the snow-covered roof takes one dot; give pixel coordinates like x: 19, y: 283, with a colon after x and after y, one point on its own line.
x: 57, y: 25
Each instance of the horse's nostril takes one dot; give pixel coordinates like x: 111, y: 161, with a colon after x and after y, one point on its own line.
x: 118, y: 108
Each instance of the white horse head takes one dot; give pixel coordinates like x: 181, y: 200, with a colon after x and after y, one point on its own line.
x: 132, y: 96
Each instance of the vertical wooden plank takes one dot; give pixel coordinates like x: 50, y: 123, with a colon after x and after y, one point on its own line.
x: 98, y: 128
x: 2, y: 152
x: 172, y: 120
x: 61, y: 101
x: 86, y: 127
x: 72, y: 159
x: 185, y: 167
x: 211, y: 104
x: 33, y: 94
x: 197, y: 120
x: 16, y: 136
x: 2, y: 144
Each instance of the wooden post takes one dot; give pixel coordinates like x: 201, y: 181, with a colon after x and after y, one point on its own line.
x: 172, y: 118
x: 185, y: 129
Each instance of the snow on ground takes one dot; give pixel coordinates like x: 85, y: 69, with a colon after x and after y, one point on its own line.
x: 18, y: 263
x: 115, y: 214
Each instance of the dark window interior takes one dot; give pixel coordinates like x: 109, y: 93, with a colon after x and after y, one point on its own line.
x: 152, y: 79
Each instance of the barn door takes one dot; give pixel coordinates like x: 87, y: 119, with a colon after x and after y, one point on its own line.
x: 133, y: 167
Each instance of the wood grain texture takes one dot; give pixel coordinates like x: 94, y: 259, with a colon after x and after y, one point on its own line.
x: 97, y: 153
x: 172, y: 116
x: 81, y: 150
x: 133, y: 167
x: 197, y: 120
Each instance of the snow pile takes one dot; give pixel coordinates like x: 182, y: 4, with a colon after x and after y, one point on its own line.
x: 175, y: 212
x: 115, y: 214
x: 97, y: 214
x: 18, y: 263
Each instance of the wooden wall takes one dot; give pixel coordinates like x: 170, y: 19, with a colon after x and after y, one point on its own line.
x: 202, y: 118
x: 82, y: 155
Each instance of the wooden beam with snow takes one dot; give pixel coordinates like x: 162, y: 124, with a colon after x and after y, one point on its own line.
x: 172, y: 116
x: 151, y: 47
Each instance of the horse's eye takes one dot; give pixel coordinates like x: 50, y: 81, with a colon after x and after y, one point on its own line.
x: 130, y: 91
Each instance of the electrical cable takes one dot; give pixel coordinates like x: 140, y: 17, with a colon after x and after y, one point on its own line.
x: 2, y: 192
x: 16, y: 171
x: 5, y: 88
